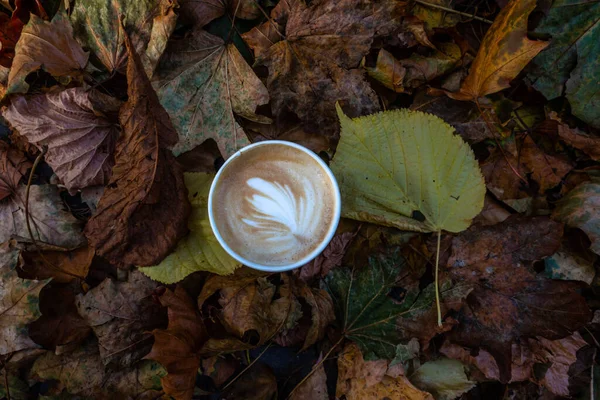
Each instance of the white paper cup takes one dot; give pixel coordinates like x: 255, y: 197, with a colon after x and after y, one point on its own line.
x: 335, y: 200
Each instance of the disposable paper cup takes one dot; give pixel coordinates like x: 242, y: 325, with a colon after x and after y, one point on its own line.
x: 335, y: 200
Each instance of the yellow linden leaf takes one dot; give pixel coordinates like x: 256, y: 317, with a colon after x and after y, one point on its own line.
x: 199, y: 250
x: 396, y: 167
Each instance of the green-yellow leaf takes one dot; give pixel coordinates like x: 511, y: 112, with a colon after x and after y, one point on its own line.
x: 395, y: 165
x: 200, y: 250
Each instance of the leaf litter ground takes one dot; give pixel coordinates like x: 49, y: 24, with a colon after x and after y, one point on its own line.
x: 118, y: 114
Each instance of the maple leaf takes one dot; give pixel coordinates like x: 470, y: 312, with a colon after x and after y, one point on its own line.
x: 121, y: 313
x: 202, y: 82
x: 47, y: 45
x: 13, y: 165
x: 201, y: 12
x: 311, y: 61
x: 50, y: 223
x: 503, y: 53
x: 78, y: 128
x: 509, y: 301
x: 144, y: 209
x: 177, y: 348
x: 359, y: 379
x: 19, y: 303
x: 149, y: 24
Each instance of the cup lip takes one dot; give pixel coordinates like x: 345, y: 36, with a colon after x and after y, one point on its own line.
x: 277, y: 268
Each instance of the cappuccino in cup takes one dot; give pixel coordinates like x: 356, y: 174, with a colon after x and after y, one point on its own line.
x: 274, y: 205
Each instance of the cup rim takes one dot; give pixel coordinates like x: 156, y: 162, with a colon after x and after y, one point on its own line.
x: 278, y: 268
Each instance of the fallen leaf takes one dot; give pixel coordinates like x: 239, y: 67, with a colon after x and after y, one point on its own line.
x: 359, y: 379
x: 503, y: 53
x: 82, y: 374
x: 444, y: 378
x: 202, y: 82
x: 262, y: 37
x: 11, y: 27
x: 434, y: 17
x: 314, y: 388
x: 177, y: 348
x: 312, y: 66
x: 574, y: 137
x: 483, y: 360
x: 19, y: 303
x: 60, y: 327
x: 47, y: 45
x: 410, y: 162
x: 199, y: 250
x: 571, y: 265
x: 148, y: 23
x: 144, y: 209
x: 509, y: 301
x: 76, y: 127
x: 50, y: 223
x: 571, y: 58
x: 121, y: 314
x: 13, y: 166
x: 62, y: 266
x: 258, y: 383
x: 201, y: 12
x: 330, y: 258
x: 219, y: 368
x: 580, y: 208
x: 366, y: 308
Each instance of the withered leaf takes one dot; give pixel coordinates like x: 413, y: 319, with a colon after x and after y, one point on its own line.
x: 50, y: 223
x: 330, y: 258
x: 79, y: 128
x: 202, y: 82
x: 201, y: 12
x: 13, y: 165
x: 509, y: 301
x: 503, y: 53
x: 19, y: 303
x: 47, y: 45
x: 312, y: 66
x: 258, y: 383
x: 314, y: 388
x: 589, y: 144
x: 143, y: 211
x: 177, y: 348
x: 121, y: 314
x: 62, y: 266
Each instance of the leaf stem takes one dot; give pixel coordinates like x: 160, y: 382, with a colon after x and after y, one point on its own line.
x: 437, y: 288
x: 246, y: 369
x: 451, y: 10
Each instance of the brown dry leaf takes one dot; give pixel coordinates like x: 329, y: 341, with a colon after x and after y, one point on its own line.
x: 330, y: 258
x: 285, y: 128
x: 574, y: 137
x: 19, y: 303
x: 359, y: 379
x: 219, y: 368
x: 79, y: 128
x: 144, y: 209
x: 60, y: 327
x: 13, y: 165
x: 62, y: 266
x: 312, y: 68
x: 258, y: 383
x: 121, y: 314
x: 509, y: 301
x: 177, y: 347
x: 201, y: 12
x: 47, y: 45
x: 314, y: 388
x: 503, y: 53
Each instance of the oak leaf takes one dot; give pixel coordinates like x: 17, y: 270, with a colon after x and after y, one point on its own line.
x: 410, y: 162
x: 121, y: 314
x: 202, y: 82
x: 47, y: 45
x: 143, y: 211
x: 13, y: 165
x: 50, y: 223
x: 314, y: 53
x: 199, y: 250
x: 503, y: 53
x: 360, y: 379
x: 177, y: 348
x: 78, y: 127
x: 580, y: 208
x: 19, y: 303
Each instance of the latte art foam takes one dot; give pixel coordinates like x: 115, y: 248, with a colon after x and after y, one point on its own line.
x: 273, y: 205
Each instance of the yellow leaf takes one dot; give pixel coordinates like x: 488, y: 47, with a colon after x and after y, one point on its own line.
x: 199, y: 250
x: 393, y: 165
x: 504, y: 52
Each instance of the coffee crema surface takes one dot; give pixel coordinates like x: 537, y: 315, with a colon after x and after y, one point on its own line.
x: 273, y: 204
